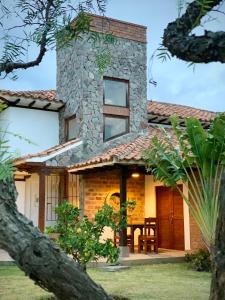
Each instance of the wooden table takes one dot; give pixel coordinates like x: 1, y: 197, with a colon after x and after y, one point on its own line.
x: 133, y: 227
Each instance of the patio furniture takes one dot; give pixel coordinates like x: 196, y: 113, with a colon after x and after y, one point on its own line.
x: 117, y: 239
x: 133, y: 227
x: 149, y: 239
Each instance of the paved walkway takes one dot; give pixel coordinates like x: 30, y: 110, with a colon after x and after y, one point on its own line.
x: 163, y: 256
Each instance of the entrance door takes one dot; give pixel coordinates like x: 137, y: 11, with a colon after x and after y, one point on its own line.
x: 171, y: 218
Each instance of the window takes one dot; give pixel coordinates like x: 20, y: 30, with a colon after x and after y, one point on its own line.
x: 114, y: 126
x: 116, y: 107
x: 116, y: 92
x: 71, y: 128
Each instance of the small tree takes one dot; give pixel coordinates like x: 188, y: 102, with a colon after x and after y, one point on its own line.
x: 196, y: 156
x: 82, y: 238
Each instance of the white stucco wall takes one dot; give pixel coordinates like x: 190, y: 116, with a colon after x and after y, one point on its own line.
x: 39, y: 126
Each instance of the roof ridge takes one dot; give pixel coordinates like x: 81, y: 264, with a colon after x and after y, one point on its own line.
x: 27, y: 91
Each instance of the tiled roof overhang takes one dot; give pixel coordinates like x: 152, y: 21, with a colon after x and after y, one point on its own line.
x: 44, y: 100
x: 126, y: 154
x: 42, y: 157
x: 160, y: 112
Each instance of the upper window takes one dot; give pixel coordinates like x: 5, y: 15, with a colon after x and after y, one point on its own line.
x: 116, y: 92
x: 116, y: 107
x: 71, y: 128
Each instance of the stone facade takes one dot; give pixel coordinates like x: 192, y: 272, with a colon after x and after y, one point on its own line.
x: 80, y: 86
x: 67, y: 158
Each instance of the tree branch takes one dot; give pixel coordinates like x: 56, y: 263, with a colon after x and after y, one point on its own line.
x: 10, y: 66
x: 209, y: 47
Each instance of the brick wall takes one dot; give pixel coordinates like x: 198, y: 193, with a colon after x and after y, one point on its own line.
x: 195, y: 234
x: 98, y: 186
x: 118, y: 28
x: 196, y: 238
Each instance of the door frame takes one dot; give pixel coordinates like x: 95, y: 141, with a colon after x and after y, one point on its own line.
x: 150, y: 206
x: 171, y: 225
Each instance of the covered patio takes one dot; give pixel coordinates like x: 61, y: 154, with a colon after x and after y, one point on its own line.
x: 121, y: 170
x: 49, y: 177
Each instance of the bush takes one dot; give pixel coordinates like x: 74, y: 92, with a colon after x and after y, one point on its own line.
x: 81, y: 237
x: 199, y: 261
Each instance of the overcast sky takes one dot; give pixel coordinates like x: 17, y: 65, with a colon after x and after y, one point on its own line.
x: 176, y: 83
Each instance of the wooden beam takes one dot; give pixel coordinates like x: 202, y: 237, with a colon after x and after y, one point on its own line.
x: 41, y: 211
x: 16, y: 101
x: 123, y: 199
x: 46, y: 106
x: 31, y: 103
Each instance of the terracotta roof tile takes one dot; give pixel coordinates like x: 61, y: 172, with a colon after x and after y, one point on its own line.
x: 47, y: 152
x: 125, y: 152
x: 182, y: 111
x: 49, y: 95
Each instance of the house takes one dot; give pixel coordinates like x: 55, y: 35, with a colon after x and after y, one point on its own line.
x: 105, y: 122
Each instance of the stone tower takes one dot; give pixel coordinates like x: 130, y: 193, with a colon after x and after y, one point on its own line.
x: 103, y: 109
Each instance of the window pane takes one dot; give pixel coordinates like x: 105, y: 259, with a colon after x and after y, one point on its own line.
x: 115, y: 92
x: 72, y: 129
x: 115, y: 126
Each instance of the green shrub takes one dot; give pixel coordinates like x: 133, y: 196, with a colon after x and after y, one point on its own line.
x: 82, y: 238
x: 199, y: 261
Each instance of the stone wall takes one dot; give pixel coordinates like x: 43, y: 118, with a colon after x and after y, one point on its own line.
x: 66, y: 158
x: 99, y: 186
x: 80, y: 86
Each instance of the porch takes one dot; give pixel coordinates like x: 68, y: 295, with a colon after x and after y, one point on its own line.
x: 44, y: 189
x: 89, y: 184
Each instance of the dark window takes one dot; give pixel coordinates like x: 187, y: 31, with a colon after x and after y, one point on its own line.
x: 71, y: 128
x: 115, y: 126
x: 116, y: 92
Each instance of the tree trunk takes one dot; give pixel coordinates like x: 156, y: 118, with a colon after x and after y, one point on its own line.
x: 38, y: 256
x: 218, y: 253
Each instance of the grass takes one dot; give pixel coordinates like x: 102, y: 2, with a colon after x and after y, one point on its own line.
x: 158, y: 282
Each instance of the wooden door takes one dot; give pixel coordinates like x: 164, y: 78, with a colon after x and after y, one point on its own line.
x: 171, y: 219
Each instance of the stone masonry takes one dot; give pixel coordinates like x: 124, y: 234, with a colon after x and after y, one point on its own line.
x: 80, y: 85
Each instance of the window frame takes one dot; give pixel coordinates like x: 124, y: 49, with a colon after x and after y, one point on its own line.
x: 116, y: 117
x: 127, y: 92
x: 66, y: 128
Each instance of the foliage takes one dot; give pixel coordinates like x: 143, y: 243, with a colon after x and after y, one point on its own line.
x: 82, y: 238
x: 102, y: 43
x: 199, y: 261
x: 197, y: 158
x: 29, y: 24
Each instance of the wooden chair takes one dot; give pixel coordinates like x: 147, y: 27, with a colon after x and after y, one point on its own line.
x: 149, y: 239
x: 117, y: 239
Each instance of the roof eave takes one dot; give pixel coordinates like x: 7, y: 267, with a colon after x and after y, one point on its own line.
x: 106, y: 164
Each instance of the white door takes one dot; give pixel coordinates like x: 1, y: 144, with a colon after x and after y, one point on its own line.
x: 32, y: 198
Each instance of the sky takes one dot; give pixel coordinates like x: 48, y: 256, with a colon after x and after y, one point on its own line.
x: 201, y: 87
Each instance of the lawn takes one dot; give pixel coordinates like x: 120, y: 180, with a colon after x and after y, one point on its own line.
x: 162, y: 281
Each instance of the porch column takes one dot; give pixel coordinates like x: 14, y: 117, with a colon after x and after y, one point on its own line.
x: 124, y: 251
x: 41, y: 210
